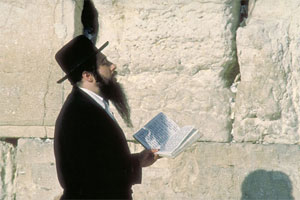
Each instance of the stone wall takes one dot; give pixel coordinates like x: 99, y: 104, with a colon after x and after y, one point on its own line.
x: 267, y: 104
x: 235, y: 79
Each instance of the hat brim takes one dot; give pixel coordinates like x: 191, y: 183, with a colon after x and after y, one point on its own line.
x: 79, y: 64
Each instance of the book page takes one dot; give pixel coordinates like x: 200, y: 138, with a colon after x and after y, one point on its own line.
x: 192, y: 136
x: 156, y: 133
x: 177, y: 139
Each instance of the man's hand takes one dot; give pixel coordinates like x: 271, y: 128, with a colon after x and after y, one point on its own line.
x: 148, y: 157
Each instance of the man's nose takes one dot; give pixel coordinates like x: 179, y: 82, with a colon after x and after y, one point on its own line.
x: 113, y: 67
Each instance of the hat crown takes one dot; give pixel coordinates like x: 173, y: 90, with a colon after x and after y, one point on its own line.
x: 75, y: 53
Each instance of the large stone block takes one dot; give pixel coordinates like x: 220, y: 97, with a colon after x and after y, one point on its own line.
x: 176, y: 57
x: 32, y: 32
x: 211, y: 171
x: 267, y: 103
x: 24, y: 131
x: 7, y: 171
x: 203, y: 171
x: 36, y: 172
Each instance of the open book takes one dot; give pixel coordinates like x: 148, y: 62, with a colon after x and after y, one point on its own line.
x: 164, y: 134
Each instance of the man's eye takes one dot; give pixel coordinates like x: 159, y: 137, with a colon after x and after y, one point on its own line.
x: 106, y: 62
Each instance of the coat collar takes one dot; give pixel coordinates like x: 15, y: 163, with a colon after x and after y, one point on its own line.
x: 86, y: 99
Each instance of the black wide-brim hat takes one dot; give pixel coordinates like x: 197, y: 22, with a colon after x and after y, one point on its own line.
x: 75, y: 53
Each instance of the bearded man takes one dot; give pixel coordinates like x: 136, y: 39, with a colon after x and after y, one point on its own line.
x: 93, y: 160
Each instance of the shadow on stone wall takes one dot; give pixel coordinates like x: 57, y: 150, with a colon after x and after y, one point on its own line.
x: 262, y: 184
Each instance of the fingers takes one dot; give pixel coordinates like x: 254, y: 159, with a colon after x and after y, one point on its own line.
x: 154, y: 150
x: 155, y: 156
x: 151, y: 153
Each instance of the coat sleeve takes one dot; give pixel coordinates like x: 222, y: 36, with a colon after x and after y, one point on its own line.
x: 66, y: 145
x: 136, y: 170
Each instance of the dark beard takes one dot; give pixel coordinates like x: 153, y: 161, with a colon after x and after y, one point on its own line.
x: 113, y: 91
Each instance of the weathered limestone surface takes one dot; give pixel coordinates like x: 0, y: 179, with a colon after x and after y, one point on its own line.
x: 212, y: 171
x: 24, y: 131
x: 36, y: 172
x: 31, y: 33
x: 175, y: 57
x: 205, y: 171
x: 7, y: 171
x: 267, y: 103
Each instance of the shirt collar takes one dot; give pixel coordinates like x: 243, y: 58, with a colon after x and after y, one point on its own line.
x: 101, y: 101
x: 95, y: 96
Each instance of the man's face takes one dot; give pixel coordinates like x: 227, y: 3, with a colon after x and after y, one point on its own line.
x: 106, y: 69
x: 110, y: 89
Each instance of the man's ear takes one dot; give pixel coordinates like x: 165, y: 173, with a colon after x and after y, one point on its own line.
x: 87, y: 76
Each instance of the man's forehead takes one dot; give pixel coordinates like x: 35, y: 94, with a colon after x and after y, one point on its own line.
x: 102, y: 59
x: 100, y: 56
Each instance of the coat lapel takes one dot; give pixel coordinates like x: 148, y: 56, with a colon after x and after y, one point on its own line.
x: 87, y: 99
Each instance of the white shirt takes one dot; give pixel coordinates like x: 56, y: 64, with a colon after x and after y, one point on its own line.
x: 100, y: 101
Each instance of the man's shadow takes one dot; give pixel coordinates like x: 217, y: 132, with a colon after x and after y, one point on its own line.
x: 267, y: 185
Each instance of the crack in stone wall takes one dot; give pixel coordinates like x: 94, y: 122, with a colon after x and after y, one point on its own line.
x: 233, y: 75
x: 45, y: 97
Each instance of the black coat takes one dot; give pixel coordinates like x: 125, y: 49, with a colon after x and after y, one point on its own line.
x: 93, y: 160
